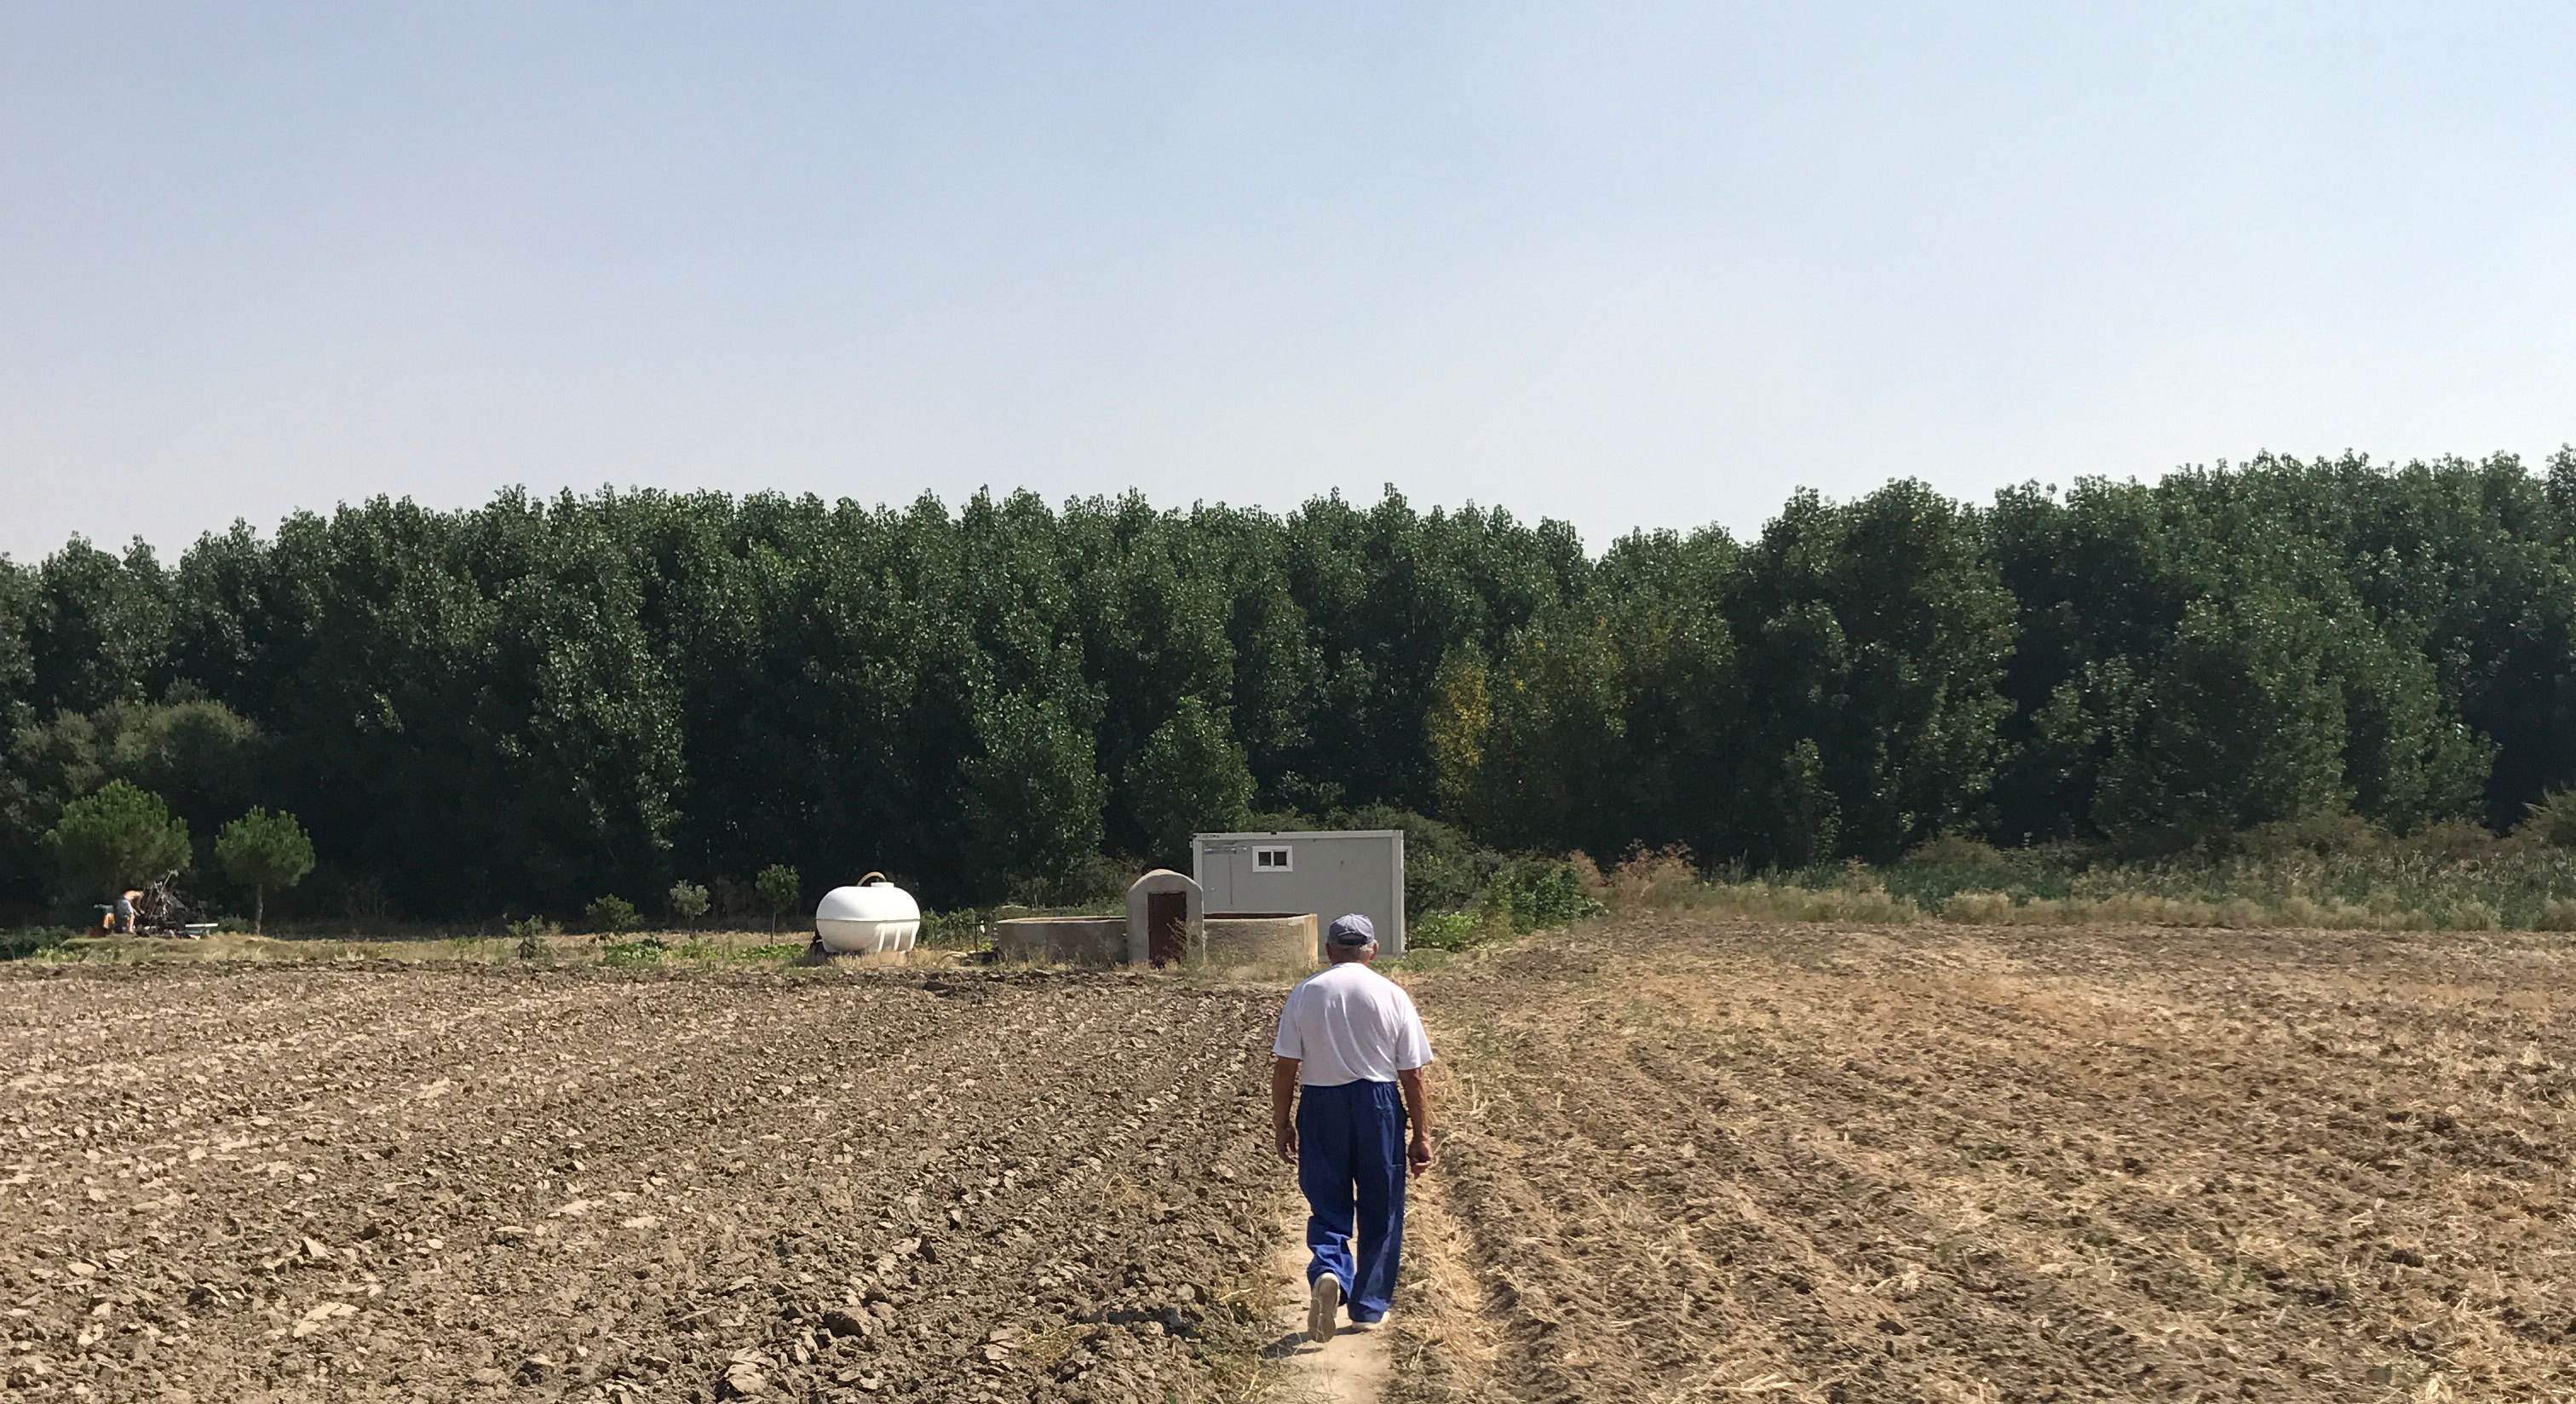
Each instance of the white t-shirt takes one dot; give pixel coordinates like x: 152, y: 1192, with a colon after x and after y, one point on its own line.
x: 1351, y: 1024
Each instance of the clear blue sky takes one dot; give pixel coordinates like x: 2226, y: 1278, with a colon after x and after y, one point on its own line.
x: 1633, y: 265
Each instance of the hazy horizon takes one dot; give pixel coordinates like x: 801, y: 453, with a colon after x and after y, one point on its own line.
x: 1651, y: 269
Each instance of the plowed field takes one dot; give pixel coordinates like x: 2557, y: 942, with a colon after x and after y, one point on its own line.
x: 1690, y: 1159
x: 273, y: 1183
x: 1683, y: 1158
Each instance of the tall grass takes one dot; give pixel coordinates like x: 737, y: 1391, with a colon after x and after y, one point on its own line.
x: 2333, y: 874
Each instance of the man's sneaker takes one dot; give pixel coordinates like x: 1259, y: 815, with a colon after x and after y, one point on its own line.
x: 1323, y: 1308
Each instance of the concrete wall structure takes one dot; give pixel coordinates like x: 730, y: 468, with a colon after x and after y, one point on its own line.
x: 1321, y: 873
x: 1163, y: 882
x: 1061, y: 940
x: 1271, y: 940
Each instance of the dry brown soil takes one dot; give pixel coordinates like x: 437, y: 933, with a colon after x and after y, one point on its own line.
x: 296, y: 1183
x: 1700, y: 1159
x: 1685, y: 1158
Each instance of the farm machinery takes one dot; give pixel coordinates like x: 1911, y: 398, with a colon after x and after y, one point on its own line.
x: 154, y: 909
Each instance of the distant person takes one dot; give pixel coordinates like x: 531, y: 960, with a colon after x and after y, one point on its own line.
x: 125, y: 912
x: 1348, y: 1040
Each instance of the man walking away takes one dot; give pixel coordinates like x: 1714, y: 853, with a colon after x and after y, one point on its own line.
x: 1350, y: 1038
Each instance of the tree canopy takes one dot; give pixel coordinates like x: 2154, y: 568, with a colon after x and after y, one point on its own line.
x: 266, y: 853
x: 523, y: 705
x: 118, y: 838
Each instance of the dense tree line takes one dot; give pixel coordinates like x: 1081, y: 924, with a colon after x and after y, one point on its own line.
x: 525, y: 706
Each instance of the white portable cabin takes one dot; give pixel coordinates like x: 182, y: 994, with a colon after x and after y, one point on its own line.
x: 1323, y: 874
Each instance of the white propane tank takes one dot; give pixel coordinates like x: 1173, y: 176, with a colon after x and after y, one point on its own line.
x: 872, y: 918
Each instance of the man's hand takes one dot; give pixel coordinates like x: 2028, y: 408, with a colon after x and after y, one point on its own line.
x: 1417, y: 1110
x: 1283, y: 1104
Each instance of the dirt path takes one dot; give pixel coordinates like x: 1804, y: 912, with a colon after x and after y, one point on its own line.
x: 1691, y: 1159
x: 271, y: 1184
x: 1351, y: 1368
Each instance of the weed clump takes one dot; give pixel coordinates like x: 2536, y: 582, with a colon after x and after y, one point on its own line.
x: 634, y: 955
x: 532, y: 935
x: 2552, y: 821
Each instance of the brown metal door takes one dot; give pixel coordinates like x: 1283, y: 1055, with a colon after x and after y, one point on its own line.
x: 1167, y: 926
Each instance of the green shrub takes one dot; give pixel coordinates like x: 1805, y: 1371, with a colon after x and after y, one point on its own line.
x: 956, y: 930
x: 531, y: 934
x: 1444, y: 868
x: 778, y: 887
x: 1953, y: 850
x: 687, y: 902
x: 611, y: 916
x: 634, y: 955
x: 2553, y: 820
x: 1534, y: 894
x: 30, y: 941
x: 2452, y: 841
x: 1443, y: 931
x: 2327, y: 834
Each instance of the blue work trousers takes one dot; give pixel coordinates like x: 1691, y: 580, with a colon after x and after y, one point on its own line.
x: 1350, y: 1163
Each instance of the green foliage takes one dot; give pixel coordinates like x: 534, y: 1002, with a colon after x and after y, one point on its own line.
x: 2324, y: 833
x: 1873, y: 639
x: 1521, y: 895
x: 1455, y: 728
x: 779, y: 888
x: 1536, y: 894
x: 634, y: 955
x: 956, y: 929
x: 522, y: 705
x: 1443, y: 931
x: 2552, y: 819
x: 99, y: 629
x: 611, y: 915
x: 2239, y: 724
x: 1033, y: 800
x: 1807, y: 822
x: 1949, y: 849
x: 529, y: 936
x: 120, y: 837
x: 25, y: 941
x: 202, y: 758
x: 2335, y: 871
x: 687, y: 902
x: 1557, y: 733
x: 264, y: 852
x: 1190, y: 778
x: 1444, y: 867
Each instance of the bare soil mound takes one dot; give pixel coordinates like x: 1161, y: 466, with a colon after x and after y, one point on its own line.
x: 275, y: 1183
x: 1691, y: 1159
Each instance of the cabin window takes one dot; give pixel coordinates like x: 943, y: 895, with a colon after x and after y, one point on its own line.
x: 1273, y: 860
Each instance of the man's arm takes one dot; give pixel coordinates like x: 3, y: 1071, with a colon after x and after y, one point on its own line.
x: 1417, y: 1109
x: 1283, y: 1106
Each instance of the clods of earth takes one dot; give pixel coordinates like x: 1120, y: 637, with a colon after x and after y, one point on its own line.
x: 293, y: 1183
x: 1683, y: 1157
x: 1691, y: 1158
